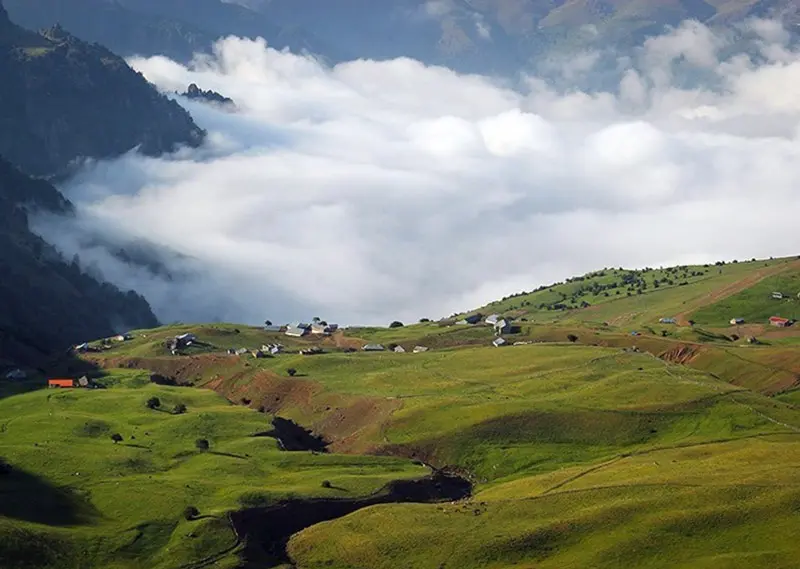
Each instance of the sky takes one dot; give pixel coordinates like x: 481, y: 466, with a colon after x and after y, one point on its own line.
x: 378, y: 191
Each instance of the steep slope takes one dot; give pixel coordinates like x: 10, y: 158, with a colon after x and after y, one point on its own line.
x: 62, y: 99
x: 47, y: 303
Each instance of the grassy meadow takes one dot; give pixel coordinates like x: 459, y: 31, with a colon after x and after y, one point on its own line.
x: 676, y: 447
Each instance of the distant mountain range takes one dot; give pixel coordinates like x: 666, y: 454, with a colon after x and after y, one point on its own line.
x: 488, y: 36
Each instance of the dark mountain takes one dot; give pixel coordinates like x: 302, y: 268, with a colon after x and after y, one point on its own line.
x: 174, y: 28
x: 46, y: 302
x: 62, y: 99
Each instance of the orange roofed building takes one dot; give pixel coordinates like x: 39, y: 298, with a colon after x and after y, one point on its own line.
x: 60, y: 383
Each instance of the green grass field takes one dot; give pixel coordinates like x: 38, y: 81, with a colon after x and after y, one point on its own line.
x: 679, y: 453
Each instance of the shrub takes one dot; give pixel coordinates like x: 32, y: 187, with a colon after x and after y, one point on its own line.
x: 291, y: 371
x: 179, y: 409
x: 117, y: 438
x: 190, y: 513
x: 326, y: 484
x: 202, y: 444
x: 153, y: 403
x: 396, y: 324
x: 572, y: 338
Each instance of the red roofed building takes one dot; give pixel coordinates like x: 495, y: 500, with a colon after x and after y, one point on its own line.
x: 779, y: 322
x: 60, y: 383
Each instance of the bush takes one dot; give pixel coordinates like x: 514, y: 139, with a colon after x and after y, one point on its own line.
x: 153, y: 403
x: 396, y: 324
x: 117, y: 438
x: 326, y: 484
x: 179, y: 409
x: 190, y: 513
x: 202, y: 444
x: 291, y: 371
x: 5, y: 467
x: 572, y: 338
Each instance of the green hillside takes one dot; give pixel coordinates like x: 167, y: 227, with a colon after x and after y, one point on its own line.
x: 587, y: 446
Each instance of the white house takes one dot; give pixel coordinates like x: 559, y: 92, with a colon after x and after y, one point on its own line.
x: 492, y: 320
x: 373, y: 348
x: 502, y: 326
x: 499, y: 342
x: 420, y: 349
x: 16, y: 374
x: 273, y: 328
x: 777, y: 295
x: 667, y: 320
x: 297, y: 329
x: 737, y: 321
x: 323, y: 329
x: 399, y: 350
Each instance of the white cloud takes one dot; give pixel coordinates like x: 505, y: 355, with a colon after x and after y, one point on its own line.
x: 381, y: 190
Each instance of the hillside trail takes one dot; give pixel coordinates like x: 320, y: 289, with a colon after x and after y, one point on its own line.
x: 733, y: 288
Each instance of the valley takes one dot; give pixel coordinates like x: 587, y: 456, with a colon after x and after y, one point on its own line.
x: 610, y: 449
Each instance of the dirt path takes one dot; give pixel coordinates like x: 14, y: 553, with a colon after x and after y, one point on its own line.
x: 733, y: 288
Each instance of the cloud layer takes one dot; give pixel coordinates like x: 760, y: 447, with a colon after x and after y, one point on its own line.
x: 374, y: 191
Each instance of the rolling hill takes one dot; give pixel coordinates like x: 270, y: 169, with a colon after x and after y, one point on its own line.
x: 585, y: 445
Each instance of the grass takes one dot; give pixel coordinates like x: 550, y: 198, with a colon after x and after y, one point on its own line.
x: 89, y: 502
x: 584, y: 454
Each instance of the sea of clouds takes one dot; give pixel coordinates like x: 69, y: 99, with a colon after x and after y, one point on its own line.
x: 374, y: 191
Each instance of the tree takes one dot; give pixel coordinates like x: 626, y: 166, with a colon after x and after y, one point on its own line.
x: 572, y: 338
x: 153, y: 403
x: 691, y: 322
x: 424, y: 320
x: 326, y: 484
x: 202, y: 444
x: 396, y: 324
x: 190, y: 513
x: 179, y: 409
x: 291, y: 371
x: 664, y: 333
x: 5, y: 467
x: 117, y: 438
x: 316, y: 320
x: 267, y: 322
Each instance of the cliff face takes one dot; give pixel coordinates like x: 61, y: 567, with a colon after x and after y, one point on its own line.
x: 46, y: 302
x: 62, y: 99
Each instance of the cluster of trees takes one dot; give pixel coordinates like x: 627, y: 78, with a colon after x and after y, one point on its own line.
x: 155, y: 403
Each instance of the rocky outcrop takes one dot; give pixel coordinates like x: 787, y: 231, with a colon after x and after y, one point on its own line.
x: 62, y: 99
x: 195, y: 93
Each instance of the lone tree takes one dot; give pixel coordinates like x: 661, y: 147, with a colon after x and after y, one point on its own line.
x: 179, y: 409
x: 291, y: 371
x: 190, y: 513
x: 153, y: 403
x: 326, y: 484
x: 396, y: 324
x: 202, y: 444
x: 572, y: 338
x: 117, y: 438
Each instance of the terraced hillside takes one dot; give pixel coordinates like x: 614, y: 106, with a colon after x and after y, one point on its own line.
x: 587, y: 446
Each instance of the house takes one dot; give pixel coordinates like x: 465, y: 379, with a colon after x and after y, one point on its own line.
x: 241, y: 351
x: 321, y: 328
x: 82, y: 347
x: 777, y: 295
x: 272, y: 328
x: 492, y: 320
x: 85, y: 382
x: 275, y: 350
x: 499, y: 342
x: 737, y: 321
x: 312, y: 351
x: 667, y: 321
x: 399, y: 350
x: 258, y: 354
x: 462, y: 323
x: 373, y: 348
x: 231, y: 351
x: 779, y: 322
x: 16, y: 374
x: 298, y: 329
x: 472, y: 319
x: 420, y: 349
x: 502, y: 326
x: 60, y: 383
x: 186, y: 339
